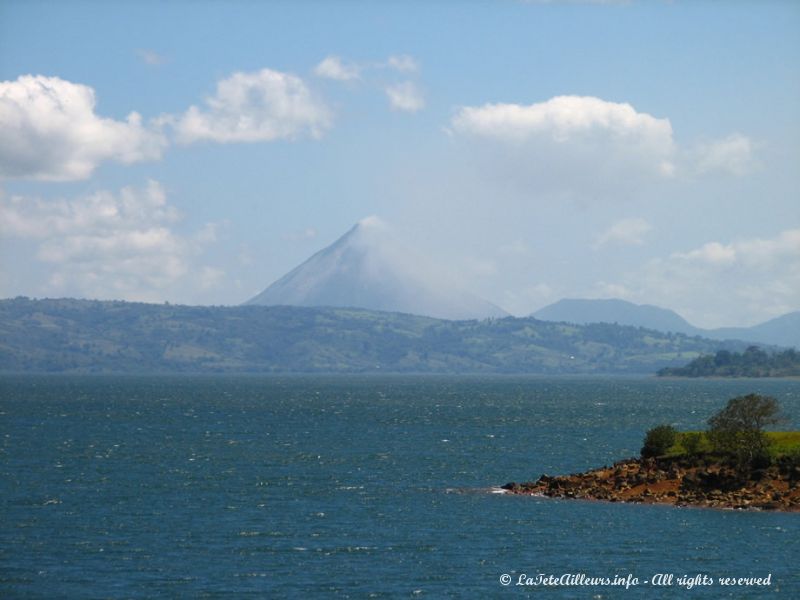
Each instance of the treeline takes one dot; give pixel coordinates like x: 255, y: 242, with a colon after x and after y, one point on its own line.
x: 753, y: 362
x: 85, y: 336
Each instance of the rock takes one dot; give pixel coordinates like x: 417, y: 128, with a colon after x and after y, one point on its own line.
x: 708, y: 484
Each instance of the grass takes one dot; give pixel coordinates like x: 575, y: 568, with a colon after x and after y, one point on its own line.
x: 784, y: 442
x: 780, y: 443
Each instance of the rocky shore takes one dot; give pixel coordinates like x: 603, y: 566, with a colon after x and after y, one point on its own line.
x: 676, y: 481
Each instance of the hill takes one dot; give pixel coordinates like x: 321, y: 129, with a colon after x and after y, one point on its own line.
x: 82, y: 336
x: 368, y: 268
x: 583, y: 311
x: 780, y: 331
x: 753, y: 362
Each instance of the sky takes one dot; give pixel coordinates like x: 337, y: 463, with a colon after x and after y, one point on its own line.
x: 194, y: 152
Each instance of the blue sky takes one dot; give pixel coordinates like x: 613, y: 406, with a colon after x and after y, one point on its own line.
x: 535, y: 150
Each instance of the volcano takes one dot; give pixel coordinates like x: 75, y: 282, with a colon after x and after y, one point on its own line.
x: 368, y: 268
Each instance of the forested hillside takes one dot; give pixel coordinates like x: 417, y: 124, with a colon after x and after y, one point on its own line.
x: 753, y: 362
x: 92, y: 336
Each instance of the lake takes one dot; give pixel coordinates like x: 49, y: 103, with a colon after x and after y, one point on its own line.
x: 281, y: 487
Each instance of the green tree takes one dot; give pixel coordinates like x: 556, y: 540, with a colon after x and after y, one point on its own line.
x: 738, y: 429
x: 658, y: 440
x: 691, y: 442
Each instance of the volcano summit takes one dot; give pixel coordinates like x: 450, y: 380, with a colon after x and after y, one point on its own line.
x: 368, y: 268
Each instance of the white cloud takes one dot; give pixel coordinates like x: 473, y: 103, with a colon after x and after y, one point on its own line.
x: 332, y: 67
x: 565, y: 120
x: 712, y: 253
x: 256, y: 107
x: 403, y: 63
x: 572, y: 148
x: 721, y: 284
x: 584, y: 148
x: 405, y: 96
x: 49, y: 130
x: 756, y: 253
x: 627, y: 232
x: 108, y: 245
x: 733, y: 154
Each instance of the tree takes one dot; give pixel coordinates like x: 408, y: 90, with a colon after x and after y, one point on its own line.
x: 658, y: 440
x: 738, y: 429
x: 691, y: 443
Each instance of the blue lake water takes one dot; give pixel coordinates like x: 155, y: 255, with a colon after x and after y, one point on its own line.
x: 141, y: 487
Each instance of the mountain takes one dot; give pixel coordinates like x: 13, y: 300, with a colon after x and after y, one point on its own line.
x: 780, y: 331
x: 368, y: 268
x: 622, y: 312
x: 89, y: 336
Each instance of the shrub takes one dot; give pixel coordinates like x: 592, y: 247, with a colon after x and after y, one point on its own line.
x: 658, y: 440
x: 761, y: 460
x: 738, y: 429
x: 790, y: 463
x: 691, y: 443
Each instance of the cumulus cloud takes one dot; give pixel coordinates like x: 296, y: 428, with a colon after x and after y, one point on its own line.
x: 332, y: 67
x: 49, y: 130
x: 565, y: 120
x: 733, y: 154
x: 627, y: 232
x: 574, y: 148
x: 405, y: 96
x: 256, y: 107
x: 587, y: 147
x: 111, y: 245
x: 737, y: 283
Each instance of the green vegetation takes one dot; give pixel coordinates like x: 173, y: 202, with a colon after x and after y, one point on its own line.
x: 783, y: 443
x: 738, y: 429
x: 779, y: 444
x: 735, y: 434
x: 659, y: 440
x: 753, y: 362
x: 83, y: 336
x: 692, y: 443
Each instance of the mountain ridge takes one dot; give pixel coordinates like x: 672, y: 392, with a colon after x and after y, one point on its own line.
x: 779, y: 331
x: 92, y: 336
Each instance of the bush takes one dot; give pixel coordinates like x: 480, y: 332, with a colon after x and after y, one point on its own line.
x: 761, y: 460
x: 738, y: 429
x: 790, y: 462
x: 691, y: 443
x: 658, y: 440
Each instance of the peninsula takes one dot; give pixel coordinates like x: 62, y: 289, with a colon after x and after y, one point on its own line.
x: 753, y: 362
x: 734, y: 465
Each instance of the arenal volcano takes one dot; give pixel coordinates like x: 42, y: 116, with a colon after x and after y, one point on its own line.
x: 368, y: 268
